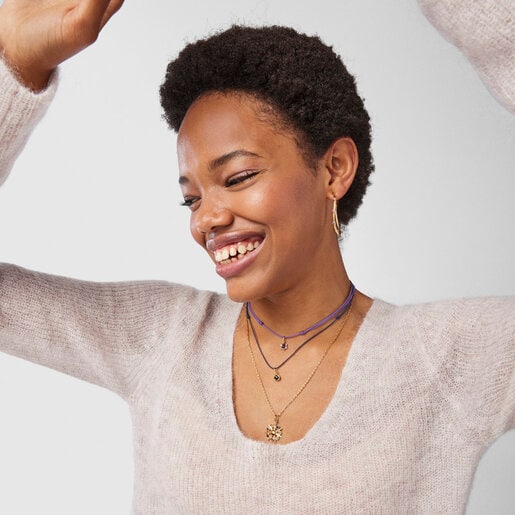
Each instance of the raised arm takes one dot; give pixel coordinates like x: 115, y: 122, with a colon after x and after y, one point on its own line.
x: 102, y: 333
x: 97, y: 332
x: 483, y: 31
x: 35, y: 37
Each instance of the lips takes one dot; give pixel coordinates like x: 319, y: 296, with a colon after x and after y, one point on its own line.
x: 233, y: 252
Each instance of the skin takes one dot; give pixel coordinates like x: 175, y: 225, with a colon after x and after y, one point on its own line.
x: 298, y: 275
x: 266, y: 188
x: 37, y: 36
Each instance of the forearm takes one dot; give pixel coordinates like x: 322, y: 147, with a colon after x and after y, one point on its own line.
x: 20, y: 111
x: 483, y: 31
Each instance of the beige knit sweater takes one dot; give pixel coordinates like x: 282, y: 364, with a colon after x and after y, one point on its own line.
x: 484, y: 30
x: 425, y: 391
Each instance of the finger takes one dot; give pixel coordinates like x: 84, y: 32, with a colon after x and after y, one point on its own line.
x: 93, y: 11
x: 112, y: 8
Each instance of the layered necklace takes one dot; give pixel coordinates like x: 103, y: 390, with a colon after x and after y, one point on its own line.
x: 335, y: 315
x: 274, y: 431
x: 284, y: 344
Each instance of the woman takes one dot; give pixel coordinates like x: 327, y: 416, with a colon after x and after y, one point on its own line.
x: 297, y: 393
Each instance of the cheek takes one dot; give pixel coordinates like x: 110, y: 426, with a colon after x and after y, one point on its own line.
x: 291, y: 202
x: 266, y: 204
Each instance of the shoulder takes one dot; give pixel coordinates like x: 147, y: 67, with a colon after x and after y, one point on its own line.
x: 479, y: 322
x: 463, y: 338
x: 475, y: 318
x: 188, y: 305
x: 468, y: 349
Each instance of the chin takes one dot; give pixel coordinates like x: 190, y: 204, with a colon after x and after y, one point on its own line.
x: 238, y: 293
x: 243, y: 289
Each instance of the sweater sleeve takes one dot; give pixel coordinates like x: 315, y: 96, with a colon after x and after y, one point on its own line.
x: 20, y: 111
x: 470, y: 345
x: 103, y: 333
x: 485, y: 32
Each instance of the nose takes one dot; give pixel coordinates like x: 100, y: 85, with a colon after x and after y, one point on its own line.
x: 210, y: 216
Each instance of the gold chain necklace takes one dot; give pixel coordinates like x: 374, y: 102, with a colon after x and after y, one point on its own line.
x: 274, y: 432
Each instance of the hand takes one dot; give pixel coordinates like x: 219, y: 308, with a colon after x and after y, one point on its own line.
x: 37, y: 35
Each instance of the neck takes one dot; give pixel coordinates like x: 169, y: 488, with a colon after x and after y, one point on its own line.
x: 309, y: 301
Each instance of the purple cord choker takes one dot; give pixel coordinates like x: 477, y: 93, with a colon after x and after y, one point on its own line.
x: 284, y: 337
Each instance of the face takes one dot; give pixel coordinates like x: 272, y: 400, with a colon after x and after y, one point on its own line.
x: 256, y: 207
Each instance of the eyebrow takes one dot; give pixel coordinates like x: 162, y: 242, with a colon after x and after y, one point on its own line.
x: 222, y: 160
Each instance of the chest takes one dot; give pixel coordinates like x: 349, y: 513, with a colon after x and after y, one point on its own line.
x: 266, y: 408
x: 194, y: 459
x: 381, y: 441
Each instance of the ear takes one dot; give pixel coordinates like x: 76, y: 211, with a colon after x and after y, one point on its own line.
x: 340, y: 163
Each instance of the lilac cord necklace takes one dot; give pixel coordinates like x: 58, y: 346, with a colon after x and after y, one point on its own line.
x: 284, y: 345
x: 277, y: 375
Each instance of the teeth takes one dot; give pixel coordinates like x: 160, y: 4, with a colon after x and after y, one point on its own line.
x: 234, y: 252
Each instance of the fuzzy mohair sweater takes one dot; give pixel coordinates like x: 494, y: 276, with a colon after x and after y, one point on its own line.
x: 426, y: 389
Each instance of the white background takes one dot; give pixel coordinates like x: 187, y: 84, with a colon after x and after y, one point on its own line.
x: 95, y: 196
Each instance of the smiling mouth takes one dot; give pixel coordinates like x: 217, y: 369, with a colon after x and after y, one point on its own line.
x: 235, y: 251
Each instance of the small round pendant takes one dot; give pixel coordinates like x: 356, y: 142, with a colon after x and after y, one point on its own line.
x: 274, y: 432
x: 284, y: 346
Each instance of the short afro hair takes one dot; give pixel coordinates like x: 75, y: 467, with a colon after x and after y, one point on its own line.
x: 302, y: 79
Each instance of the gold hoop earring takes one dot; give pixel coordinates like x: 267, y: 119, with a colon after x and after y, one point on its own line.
x: 336, y: 222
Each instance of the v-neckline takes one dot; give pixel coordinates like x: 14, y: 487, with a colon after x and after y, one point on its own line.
x: 347, y: 383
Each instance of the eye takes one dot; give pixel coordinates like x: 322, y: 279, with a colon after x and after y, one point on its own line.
x: 189, y: 201
x: 241, y: 177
